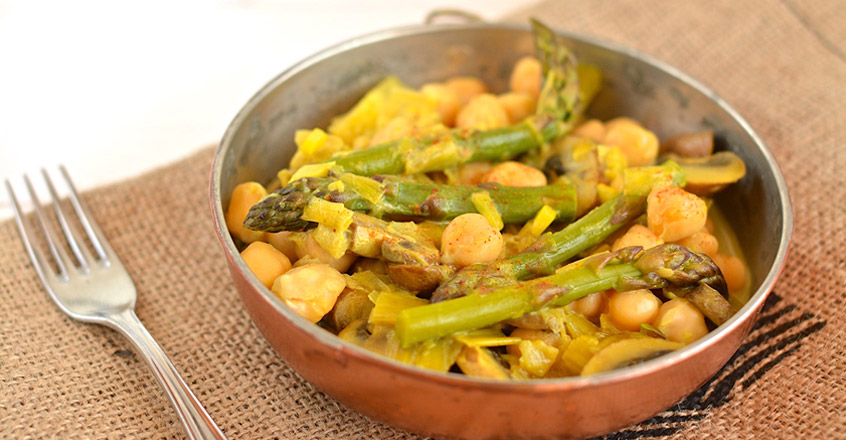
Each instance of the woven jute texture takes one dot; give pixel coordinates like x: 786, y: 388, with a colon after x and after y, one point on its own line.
x: 782, y: 64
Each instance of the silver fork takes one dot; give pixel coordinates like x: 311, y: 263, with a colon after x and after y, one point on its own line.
x: 98, y: 289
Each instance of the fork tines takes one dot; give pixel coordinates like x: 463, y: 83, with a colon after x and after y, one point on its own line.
x: 82, y: 256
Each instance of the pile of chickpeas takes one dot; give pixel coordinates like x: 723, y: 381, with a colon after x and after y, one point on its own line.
x: 309, y: 280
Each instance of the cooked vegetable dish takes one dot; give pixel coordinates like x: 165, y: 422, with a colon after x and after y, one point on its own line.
x: 504, y: 236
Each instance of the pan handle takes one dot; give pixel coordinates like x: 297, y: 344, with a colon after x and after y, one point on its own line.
x: 452, y: 16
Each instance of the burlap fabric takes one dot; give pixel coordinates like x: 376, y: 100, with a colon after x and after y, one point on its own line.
x: 782, y: 64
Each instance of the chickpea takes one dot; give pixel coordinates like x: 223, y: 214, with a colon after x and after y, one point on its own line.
x: 628, y: 310
x: 673, y: 213
x: 282, y: 241
x: 515, y: 174
x: 526, y: 77
x: 620, y: 120
x: 637, y: 235
x: 310, y: 290
x: 470, y: 239
x: 733, y: 270
x: 680, y: 321
x: 482, y: 112
x: 265, y: 261
x: 517, y: 105
x: 465, y: 88
x: 592, y: 129
x: 550, y: 338
x: 307, y: 246
x: 446, y: 101
x: 639, y: 145
x: 244, y: 196
x: 702, y: 242
x: 473, y: 172
x: 589, y: 306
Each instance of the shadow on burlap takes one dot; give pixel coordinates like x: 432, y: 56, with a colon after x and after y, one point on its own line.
x: 780, y: 63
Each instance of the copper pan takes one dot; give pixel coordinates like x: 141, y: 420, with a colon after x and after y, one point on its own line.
x: 259, y: 141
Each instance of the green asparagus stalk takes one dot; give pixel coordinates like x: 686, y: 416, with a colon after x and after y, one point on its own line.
x: 452, y: 148
x: 627, y: 269
x: 392, y: 197
x: 553, y: 249
x: 560, y: 96
x: 558, y: 106
x: 714, y: 305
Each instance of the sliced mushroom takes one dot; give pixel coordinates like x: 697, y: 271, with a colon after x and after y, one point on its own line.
x: 371, y: 265
x: 708, y: 175
x: 699, y: 144
x: 628, y: 352
x: 481, y: 362
x: 355, y: 332
x: 352, y: 304
x: 421, y: 279
x: 376, y: 338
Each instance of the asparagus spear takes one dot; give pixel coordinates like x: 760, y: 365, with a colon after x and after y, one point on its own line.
x: 627, y: 269
x: 558, y: 105
x: 560, y: 95
x: 452, y: 148
x: 551, y: 250
x: 394, y: 198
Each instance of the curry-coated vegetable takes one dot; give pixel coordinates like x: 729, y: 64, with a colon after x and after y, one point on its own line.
x: 244, y: 196
x: 526, y: 76
x: 446, y: 100
x: 497, y: 229
x: 310, y: 290
x: 628, y: 352
x: 703, y: 242
x: 470, y: 239
x: 511, y: 173
x: 592, y: 129
x: 733, y: 269
x: 638, y: 235
x: 517, y: 105
x: 465, y: 88
x: 639, y: 145
x: 680, y: 321
x: 483, y: 112
x: 307, y: 246
x: 629, y: 309
x: 265, y: 261
x: 590, y: 306
x: 674, y: 213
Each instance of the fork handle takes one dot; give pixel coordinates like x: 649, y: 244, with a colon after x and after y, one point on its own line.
x: 198, y: 424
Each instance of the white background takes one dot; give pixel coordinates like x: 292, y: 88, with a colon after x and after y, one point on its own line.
x: 112, y: 89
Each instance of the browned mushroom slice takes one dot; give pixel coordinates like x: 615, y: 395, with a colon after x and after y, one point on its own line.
x: 699, y: 144
x: 708, y: 175
x: 420, y: 279
x: 352, y: 304
x: 481, y: 362
x: 628, y: 352
x: 376, y: 338
x: 355, y: 332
